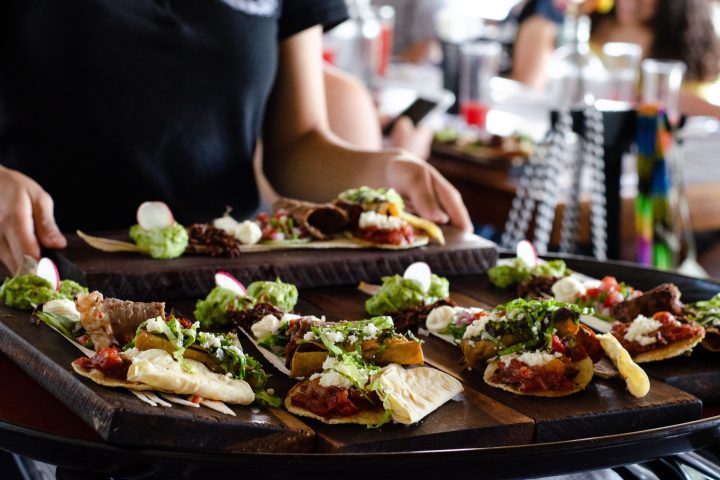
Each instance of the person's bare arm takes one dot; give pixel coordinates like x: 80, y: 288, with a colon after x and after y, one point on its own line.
x: 304, y: 160
x: 691, y: 104
x: 26, y: 219
x: 534, y: 45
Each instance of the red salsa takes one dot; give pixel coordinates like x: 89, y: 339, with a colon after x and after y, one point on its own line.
x: 610, y: 292
x: 400, y: 236
x: 109, y: 360
x: 556, y: 375
x: 334, y: 401
x: 671, y: 331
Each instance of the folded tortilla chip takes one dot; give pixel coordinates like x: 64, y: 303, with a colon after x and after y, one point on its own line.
x: 581, y: 380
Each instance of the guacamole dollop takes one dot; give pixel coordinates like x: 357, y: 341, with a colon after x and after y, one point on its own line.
x: 366, y: 196
x: 504, y: 276
x: 163, y: 243
x: 398, y: 293
x: 25, y: 292
x: 212, y: 312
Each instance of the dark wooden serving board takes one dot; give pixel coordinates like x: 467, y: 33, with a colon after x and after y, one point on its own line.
x: 603, y: 408
x: 119, y: 417
x: 137, y: 277
x: 697, y: 374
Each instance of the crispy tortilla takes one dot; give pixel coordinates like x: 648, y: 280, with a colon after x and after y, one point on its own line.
x: 309, y: 356
x: 581, y: 380
x: 670, y: 351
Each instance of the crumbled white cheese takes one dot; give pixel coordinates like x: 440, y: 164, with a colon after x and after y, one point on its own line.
x: 195, y: 325
x: 289, y: 316
x: 210, y: 341
x: 248, y: 232
x: 642, y: 330
x: 370, y: 331
x: 567, y: 289
x: 334, y: 379
x: 309, y: 336
x: 439, y: 318
x: 352, y: 338
x: 335, y: 336
x: 155, y: 325
x: 531, y: 359
x: 476, y: 327
x: 378, y: 220
x: 63, y: 307
x: 266, y: 327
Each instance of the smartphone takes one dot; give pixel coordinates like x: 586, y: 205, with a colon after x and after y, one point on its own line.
x: 419, y: 109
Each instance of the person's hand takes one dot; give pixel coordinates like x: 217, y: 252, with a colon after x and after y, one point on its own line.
x: 26, y: 219
x: 429, y: 192
x: 416, y: 140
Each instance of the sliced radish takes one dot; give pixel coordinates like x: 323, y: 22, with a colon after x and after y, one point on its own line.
x: 154, y: 215
x: 420, y: 272
x: 46, y: 269
x: 526, y: 252
x: 227, y: 281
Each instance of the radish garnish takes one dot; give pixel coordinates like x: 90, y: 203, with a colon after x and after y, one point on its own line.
x: 46, y: 269
x: 526, y: 252
x: 420, y: 272
x: 227, y: 281
x: 154, y: 215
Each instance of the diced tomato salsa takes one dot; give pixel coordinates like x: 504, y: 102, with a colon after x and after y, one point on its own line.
x: 333, y: 401
x: 280, y: 226
x: 670, y: 331
x: 109, y: 360
x: 401, y: 236
x: 556, y: 375
x: 610, y: 292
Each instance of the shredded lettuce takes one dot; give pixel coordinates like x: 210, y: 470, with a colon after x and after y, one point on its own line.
x: 706, y: 312
x: 65, y: 325
x: 398, y: 293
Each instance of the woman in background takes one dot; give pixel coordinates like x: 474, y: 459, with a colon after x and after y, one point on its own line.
x: 665, y: 29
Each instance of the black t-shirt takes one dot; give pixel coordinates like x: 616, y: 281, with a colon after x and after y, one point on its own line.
x: 108, y: 103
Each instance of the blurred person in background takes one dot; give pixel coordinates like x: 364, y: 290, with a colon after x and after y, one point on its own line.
x: 415, y: 37
x: 664, y: 29
x: 107, y: 104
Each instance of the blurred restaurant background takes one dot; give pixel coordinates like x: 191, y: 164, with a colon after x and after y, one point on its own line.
x: 587, y: 127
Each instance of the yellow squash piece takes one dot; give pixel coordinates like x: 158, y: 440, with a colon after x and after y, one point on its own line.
x: 638, y: 383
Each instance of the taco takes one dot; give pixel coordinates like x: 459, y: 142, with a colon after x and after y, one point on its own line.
x: 662, y: 336
x: 321, y: 220
x: 350, y: 391
x: 377, y: 218
x: 539, y: 373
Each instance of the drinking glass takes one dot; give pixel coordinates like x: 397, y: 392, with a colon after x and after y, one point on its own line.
x: 386, y: 16
x: 622, y: 62
x: 479, y: 62
x: 661, y: 82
